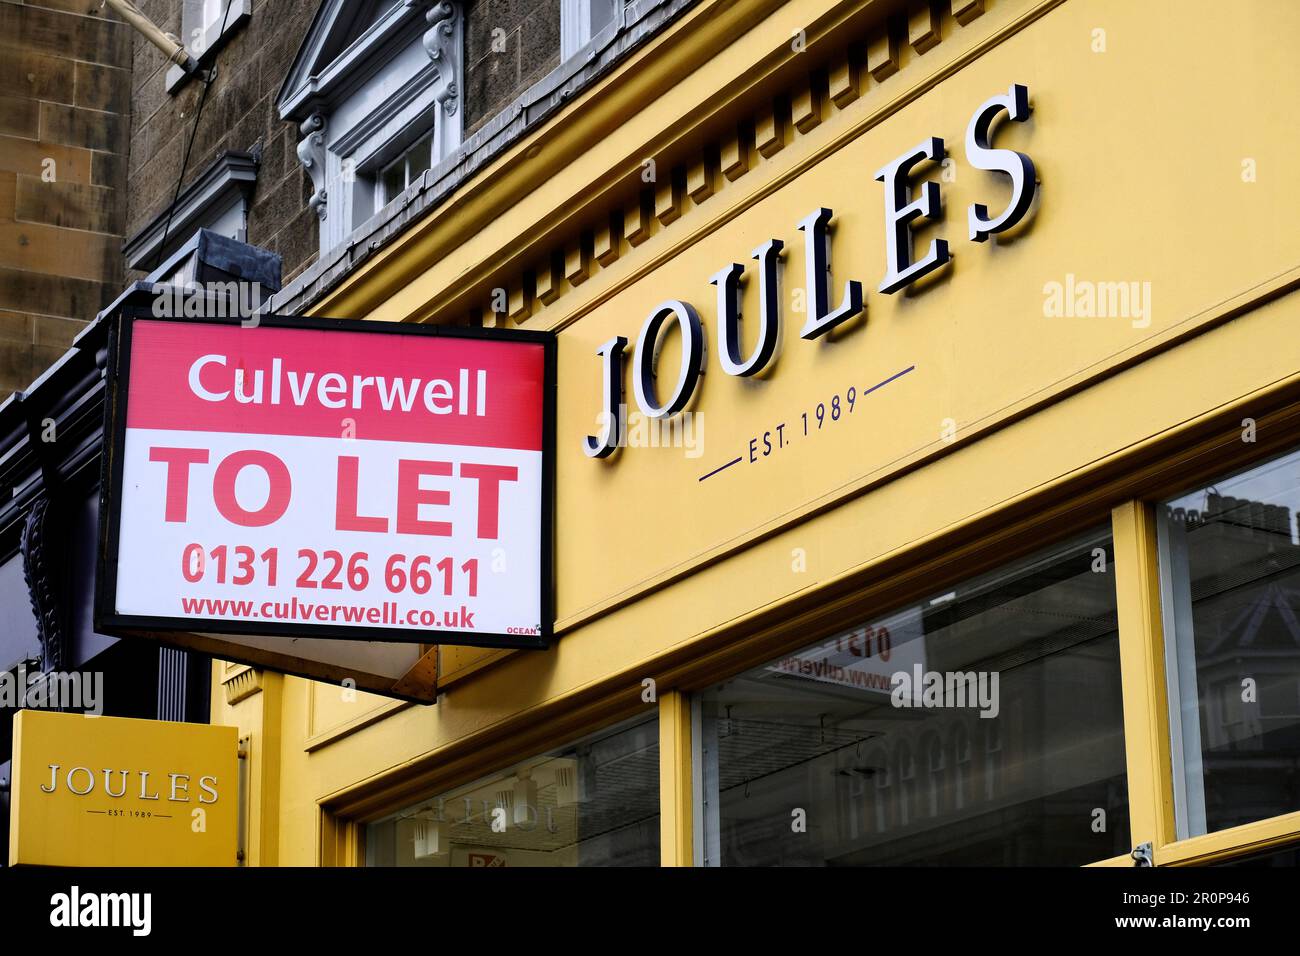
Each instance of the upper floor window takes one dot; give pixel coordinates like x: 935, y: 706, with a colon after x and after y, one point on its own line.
x: 404, y: 171
x: 217, y: 199
x: 580, y: 20
x: 376, y: 93
x: 205, y: 27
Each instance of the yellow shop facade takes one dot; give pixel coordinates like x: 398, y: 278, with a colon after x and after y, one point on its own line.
x: 947, y: 507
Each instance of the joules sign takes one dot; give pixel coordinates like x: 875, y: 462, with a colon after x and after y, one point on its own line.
x: 112, y: 791
x: 903, y: 266
x: 325, y: 479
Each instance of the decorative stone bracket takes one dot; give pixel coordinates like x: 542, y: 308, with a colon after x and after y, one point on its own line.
x: 43, y: 548
x: 311, y: 153
x: 241, y: 682
x: 440, y: 43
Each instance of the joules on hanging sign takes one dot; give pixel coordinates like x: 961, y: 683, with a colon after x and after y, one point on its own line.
x: 903, y: 267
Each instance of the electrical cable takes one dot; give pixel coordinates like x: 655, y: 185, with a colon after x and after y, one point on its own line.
x: 185, y: 160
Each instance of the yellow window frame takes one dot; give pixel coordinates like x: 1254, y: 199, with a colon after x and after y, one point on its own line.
x: 1147, y: 734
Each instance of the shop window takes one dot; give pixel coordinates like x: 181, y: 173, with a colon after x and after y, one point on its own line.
x: 906, y: 788
x: 992, y: 760
x: 880, y: 771
x: 1230, y: 597
x: 936, y: 785
x: 594, y: 803
x: 1015, y: 756
x: 1286, y: 858
x: 961, y: 758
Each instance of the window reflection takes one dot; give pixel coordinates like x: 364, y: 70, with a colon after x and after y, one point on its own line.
x: 595, y: 803
x: 1230, y: 578
x: 885, y: 774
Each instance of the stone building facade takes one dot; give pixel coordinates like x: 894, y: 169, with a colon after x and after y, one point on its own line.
x: 95, y: 126
x: 509, y: 44
x: 238, y: 117
x: 65, y: 88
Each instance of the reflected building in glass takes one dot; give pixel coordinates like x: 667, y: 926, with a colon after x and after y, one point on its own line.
x: 1019, y: 759
x: 1231, y: 579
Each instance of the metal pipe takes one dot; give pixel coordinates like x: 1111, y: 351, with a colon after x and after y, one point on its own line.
x: 168, y: 43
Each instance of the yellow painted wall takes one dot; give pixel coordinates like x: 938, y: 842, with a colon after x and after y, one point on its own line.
x: 1140, y: 151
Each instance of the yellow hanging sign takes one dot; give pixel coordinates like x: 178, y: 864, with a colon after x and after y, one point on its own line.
x: 112, y: 791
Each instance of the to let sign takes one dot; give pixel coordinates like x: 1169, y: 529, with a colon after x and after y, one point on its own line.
x: 322, y: 478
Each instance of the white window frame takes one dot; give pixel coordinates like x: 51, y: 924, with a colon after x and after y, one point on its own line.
x: 381, y: 196
x: 576, y: 23
x: 367, y: 105
x: 202, y: 34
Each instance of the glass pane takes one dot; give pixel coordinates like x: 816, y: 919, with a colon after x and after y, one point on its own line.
x: 595, y: 803
x: 393, y: 180
x: 418, y: 159
x: 981, y: 727
x: 602, y: 15
x: 1230, y: 580
x: 213, y: 11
